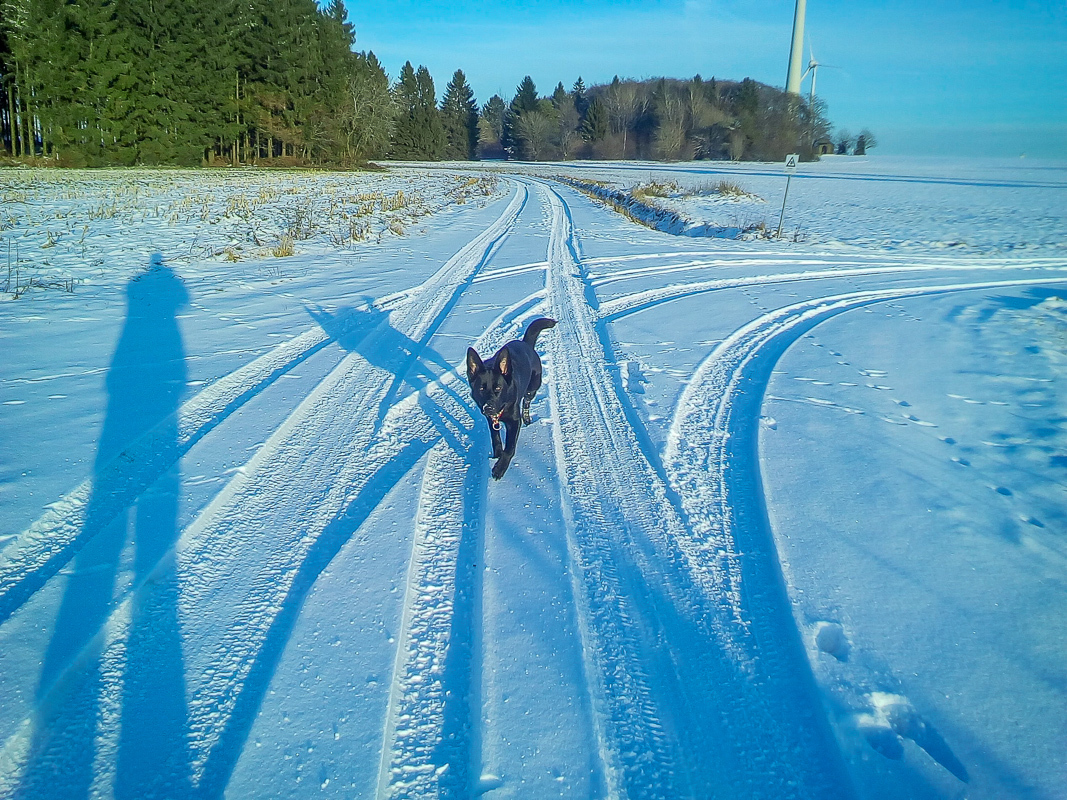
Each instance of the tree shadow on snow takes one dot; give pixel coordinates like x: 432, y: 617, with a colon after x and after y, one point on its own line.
x: 83, y: 673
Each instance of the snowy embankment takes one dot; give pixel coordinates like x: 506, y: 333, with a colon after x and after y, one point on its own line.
x: 788, y: 522
x: 655, y: 216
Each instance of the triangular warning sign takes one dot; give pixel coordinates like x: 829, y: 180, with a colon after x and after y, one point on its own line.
x: 791, y: 161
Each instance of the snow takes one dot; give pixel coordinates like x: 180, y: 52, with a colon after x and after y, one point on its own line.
x: 788, y: 521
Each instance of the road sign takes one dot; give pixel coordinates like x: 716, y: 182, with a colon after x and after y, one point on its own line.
x: 790, y: 167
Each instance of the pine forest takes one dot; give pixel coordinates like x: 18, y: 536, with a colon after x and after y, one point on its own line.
x: 212, y: 82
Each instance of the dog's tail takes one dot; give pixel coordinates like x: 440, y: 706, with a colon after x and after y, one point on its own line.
x: 534, y: 329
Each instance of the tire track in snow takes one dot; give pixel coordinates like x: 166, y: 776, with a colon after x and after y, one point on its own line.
x: 676, y: 696
x: 640, y: 301
x: 786, y: 260
x: 428, y: 748
x: 711, y: 459
x: 303, y: 495
x: 52, y: 540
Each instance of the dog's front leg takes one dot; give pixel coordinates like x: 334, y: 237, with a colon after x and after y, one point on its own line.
x: 494, y: 435
x: 502, y: 463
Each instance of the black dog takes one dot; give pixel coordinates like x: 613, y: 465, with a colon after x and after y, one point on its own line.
x: 501, y: 382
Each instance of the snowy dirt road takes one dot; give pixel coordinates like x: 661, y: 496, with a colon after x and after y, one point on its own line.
x: 350, y: 606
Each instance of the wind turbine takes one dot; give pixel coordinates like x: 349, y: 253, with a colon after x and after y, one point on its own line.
x: 813, y: 68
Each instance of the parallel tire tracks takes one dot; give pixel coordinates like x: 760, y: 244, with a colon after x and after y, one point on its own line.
x: 428, y: 743
x: 297, y: 502
x: 684, y: 707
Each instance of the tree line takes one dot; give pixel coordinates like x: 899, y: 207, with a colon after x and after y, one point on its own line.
x: 122, y: 82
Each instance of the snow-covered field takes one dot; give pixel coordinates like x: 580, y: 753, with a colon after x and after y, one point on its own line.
x: 789, y: 521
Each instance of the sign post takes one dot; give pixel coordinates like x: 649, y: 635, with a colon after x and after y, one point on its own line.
x: 790, y: 167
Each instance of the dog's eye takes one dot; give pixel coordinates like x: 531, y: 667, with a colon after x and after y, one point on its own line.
x: 496, y: 390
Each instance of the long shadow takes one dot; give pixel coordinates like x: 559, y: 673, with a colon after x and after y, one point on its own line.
x: 389, y: 349
x: 145, y: 384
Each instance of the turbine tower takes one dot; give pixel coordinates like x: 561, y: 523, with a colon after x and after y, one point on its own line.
x: 796, y: 52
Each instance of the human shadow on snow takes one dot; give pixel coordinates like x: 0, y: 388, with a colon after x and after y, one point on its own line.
x: 145, y: 384
x: 78, y: 688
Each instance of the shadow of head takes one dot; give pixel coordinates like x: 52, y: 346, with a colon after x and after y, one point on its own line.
x: 146, y: 379
x: 349, y: 326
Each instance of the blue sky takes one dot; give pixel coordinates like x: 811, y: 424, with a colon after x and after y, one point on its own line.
x: 939, y: 76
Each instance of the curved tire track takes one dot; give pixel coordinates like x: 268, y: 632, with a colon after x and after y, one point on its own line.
x: 712, y: 462
x: 640, y: 301
x: 680, y: 697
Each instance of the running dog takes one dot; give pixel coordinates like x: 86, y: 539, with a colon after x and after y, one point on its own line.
x: 503, y: 388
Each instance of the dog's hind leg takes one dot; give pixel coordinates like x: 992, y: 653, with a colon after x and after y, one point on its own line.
x: 535, y: 384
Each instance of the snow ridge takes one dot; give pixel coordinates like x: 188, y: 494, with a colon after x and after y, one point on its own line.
x: 427, y: 749
x: 646, y: 598
x: 639, y: 301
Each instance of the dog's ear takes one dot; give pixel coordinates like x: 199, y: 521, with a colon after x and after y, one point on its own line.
x: 503, y: 362
x: 474, y: 363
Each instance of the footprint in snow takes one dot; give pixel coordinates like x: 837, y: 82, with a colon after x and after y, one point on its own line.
x: 920, y: 422
x: 488, y: 782
x: 891, y: 719
x: 830, y: 638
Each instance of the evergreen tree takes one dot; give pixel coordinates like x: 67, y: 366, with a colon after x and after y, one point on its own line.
x: 459, y: 114
x: 581, y: 102
x: 491, y: 128
x: 339, y: 14
x: 560, y: 96
x: 525, y: 96
x: 595, y: 125
x: 419, y: 133
x: 524, y: 102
